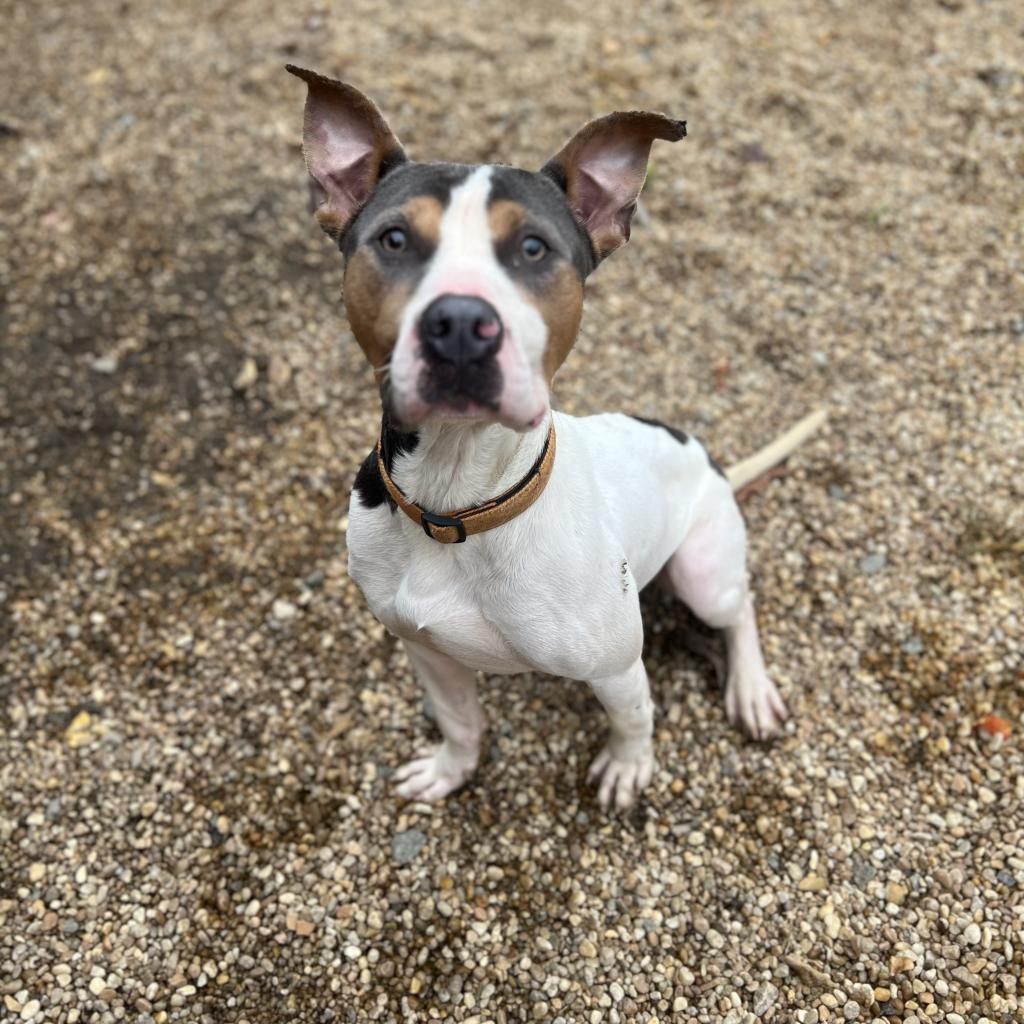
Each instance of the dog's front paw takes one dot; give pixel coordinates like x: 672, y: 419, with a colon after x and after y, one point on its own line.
x: 435, y: 773
x: 624, y: 771
x: 752, y: 701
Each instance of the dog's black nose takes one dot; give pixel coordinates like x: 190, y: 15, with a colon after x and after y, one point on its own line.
x: 460, y: 329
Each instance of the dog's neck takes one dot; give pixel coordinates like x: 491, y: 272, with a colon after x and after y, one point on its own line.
x: 458, y: 465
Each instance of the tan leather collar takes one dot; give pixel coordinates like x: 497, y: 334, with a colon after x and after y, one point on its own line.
x: 455, y: 527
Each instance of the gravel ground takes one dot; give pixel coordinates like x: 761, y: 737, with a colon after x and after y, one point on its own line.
x: 198, y: 716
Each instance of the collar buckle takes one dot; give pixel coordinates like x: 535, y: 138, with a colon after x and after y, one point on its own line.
x: 429, y: 519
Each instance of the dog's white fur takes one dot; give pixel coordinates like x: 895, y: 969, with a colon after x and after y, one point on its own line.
x: 555, y: 590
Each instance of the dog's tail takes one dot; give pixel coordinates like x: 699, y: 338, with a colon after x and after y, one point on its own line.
x: 777, y: 451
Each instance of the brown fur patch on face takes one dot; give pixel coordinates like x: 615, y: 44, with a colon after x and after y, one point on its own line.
x: 560, y: 302
x: 505, y: 218
x: 558, y: 296
x: 374, y: 305
x: 424, y: 216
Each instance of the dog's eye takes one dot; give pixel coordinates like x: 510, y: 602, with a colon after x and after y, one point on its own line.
x: 534, y: 248
x: 393, y: 240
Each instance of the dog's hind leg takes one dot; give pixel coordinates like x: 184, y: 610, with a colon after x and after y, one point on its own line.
x: 436, y: 771
x: 708, y: 572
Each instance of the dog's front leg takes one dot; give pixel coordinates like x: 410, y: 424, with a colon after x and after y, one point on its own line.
x: 452, y: 689
x: 626, y: 764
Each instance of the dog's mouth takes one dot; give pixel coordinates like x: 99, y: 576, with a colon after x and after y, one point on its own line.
x: 462, y: 389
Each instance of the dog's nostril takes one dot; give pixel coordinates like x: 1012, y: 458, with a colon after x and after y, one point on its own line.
x: 487, y: 328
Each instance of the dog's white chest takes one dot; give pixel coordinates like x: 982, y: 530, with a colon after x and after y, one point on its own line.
x: 433, y: 601
x: 555, y: 589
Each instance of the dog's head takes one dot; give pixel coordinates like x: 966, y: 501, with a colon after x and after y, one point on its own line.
x: 464, y: 285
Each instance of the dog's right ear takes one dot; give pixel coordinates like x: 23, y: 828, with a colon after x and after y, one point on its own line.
x: 348, y: 148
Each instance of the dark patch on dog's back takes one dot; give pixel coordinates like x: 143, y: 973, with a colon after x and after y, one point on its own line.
x: 715, y: 465
x: 677, y: 434
x: 369, y: 485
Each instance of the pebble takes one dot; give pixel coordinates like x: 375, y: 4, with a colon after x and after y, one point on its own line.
x: 405, y: 846
x: 873, y: 563
x: 247, y: 375
x: 972, y: 934
x: 284, y: 611
x: 764, y: 999
x: 105, y: 365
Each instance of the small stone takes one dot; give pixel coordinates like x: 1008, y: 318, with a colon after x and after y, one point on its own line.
x: 972, y: 934
x: 913, y: 645
x: 873, y: 563
x: 30, y: 1009
x: 406, y: 845
x: 37, y: 872
x: 588, y: 949
x: 851, y: 1011
x: 12, y: 1004
x: 986, y: 796
x: 252, y: 908
x: 812, y: 883
x: 352, y: 952
x: 247, y: 375
x: 896, y: 893
x: 97, y: 985
x: 148, y: 809
x: 863, y: 994
x: 716, y: 940
x: 284, y: 611
x: 764, y: 999
x: 278, y: 371
x: 105, y: 365
x: 994, y: 725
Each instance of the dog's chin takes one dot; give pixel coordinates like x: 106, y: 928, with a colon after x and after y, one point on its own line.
x: 462, y: 410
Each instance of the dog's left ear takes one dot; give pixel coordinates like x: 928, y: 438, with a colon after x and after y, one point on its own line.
x: 348, y: 148
x: 602, y: 170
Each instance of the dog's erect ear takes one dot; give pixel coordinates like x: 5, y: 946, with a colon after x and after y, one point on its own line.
x: 348, y: 148
x: 602, y: 170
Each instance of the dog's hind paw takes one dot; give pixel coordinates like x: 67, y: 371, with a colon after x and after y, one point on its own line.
x: 623, y: 776
x: 435, y: 773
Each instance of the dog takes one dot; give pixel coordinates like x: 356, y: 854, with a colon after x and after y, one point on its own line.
x: 487, y: 532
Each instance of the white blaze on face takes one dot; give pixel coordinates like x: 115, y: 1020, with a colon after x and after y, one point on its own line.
x: 465, y: 264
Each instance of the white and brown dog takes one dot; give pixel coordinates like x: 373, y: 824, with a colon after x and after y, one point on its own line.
x: 486, y: 531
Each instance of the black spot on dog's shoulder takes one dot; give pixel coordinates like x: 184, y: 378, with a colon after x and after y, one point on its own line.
x: 369, y: 484
x: 369, y: 487
x: 677, y: 434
